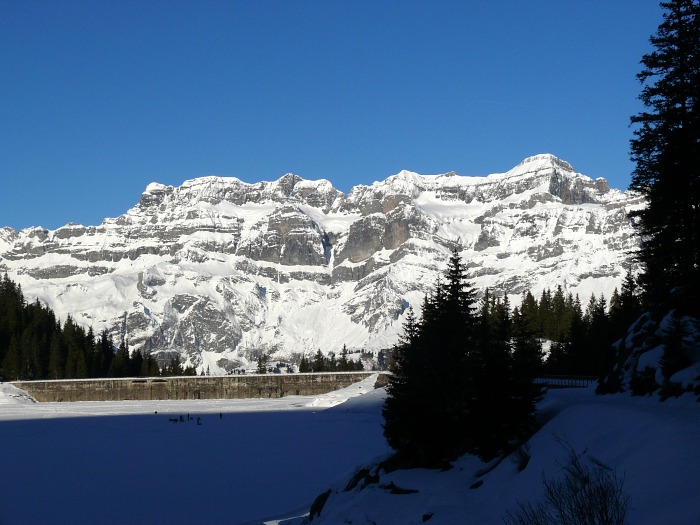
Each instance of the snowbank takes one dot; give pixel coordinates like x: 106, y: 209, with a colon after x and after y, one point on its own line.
x: 11, y: 395
x: 652, y: 445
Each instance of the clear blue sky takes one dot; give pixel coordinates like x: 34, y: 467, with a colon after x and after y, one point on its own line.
x: 99, y: 98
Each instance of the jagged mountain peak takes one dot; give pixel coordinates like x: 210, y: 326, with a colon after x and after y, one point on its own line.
x: 216, y: 190
x: 218, y: 270
x: 545, y: 160
x: 544, y: 170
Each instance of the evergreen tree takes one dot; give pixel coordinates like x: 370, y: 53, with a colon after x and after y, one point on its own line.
x: 455, y: 387
x: 319, y: 362
x: 263, y: 360
x: 626, y: 307
x: 578, y: 356
x: 666, y: 151
x: 560, y: 316
x: 304, y: 366
x: 344, y: 363
x: 136, y: 363
x: 174, y: 369
x: 331, y: 362
x: 529, y: 310
x: 527, y: 347
x: 57, y: 357
x: 149, y: 367
x: 105, y: 353
x: 12, y: 363
x: 120, y: 366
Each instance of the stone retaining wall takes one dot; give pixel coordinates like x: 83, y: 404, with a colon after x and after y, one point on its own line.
x: 199, y: 387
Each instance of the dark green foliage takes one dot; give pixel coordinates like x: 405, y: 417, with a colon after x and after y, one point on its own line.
x: 527, y: 347
x: 33, y: 344
x: 455, y: 387
x: 666, y: 151
x: 344, y: 363
x: 330, y: 363
x: 176, y: 369
x: 580, y: 343
x: 304, y: 365
x: 643, y: 383
x: 319, y: 362
x: 626, y: 306
x: 263, y: 360
x: 120, y: 363
x: 674, y: 357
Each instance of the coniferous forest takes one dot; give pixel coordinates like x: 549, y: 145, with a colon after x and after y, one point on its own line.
x: 35, y: 345
x: 459, y: 384
x: 463, y: 375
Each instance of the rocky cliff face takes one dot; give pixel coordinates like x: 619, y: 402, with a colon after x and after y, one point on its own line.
x: 219, y: 270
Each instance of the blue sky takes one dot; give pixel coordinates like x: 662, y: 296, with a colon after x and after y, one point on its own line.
x: 98, y: 99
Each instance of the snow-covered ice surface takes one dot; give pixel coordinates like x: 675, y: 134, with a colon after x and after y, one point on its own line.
x: 121, y: 463
x: 114, y: 463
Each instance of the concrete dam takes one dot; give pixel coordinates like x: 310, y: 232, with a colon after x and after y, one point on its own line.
x: 193, y: 387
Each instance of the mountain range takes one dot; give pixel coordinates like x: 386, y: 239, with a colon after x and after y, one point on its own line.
x: 218, y: 270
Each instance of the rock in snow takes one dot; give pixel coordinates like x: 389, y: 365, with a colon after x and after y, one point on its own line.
x: 218, y: 270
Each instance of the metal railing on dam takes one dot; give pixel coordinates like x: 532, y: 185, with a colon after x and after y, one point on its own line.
x: 192, y: 387
x: 566, y: 381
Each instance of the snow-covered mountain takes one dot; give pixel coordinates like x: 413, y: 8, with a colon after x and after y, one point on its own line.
x: 219, y: 270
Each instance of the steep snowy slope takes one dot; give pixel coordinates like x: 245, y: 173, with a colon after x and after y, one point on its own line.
x: 219, y: 270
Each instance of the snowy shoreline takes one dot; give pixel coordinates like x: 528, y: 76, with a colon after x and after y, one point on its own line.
x: 258, y: 458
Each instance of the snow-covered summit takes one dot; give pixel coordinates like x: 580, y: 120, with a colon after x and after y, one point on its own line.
x: 544, y: 172
x: 218, y: 269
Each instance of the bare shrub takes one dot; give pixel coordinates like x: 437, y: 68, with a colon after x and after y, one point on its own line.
x: 589, y: 493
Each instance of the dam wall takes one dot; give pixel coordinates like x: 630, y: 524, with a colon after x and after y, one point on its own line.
x: 192, y: 387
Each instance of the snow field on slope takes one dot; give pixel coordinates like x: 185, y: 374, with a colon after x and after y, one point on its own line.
x: 652, y: 446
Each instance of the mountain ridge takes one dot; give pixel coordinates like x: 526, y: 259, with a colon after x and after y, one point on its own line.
x: 219, y: 270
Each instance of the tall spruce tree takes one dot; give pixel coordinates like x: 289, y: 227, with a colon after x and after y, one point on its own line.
x: 427, y: 409
x: 666, y: 150
x: 456, y: 386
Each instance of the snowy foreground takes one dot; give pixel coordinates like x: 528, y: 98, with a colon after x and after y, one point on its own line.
x: 255, y: 460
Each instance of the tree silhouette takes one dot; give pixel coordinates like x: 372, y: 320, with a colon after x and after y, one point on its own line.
x: 666, y: 150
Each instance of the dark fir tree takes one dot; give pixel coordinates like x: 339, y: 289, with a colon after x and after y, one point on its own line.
x: 426, y: 411
x: 34, y: 345
x: 455, y: 387
x: 625, y: 306
x: 304, y: 365
x: 319, y: 362
x: 331, y: 362
x: 344, y: 362
x: 666, y: 151
x: 527, y: 347
x: 263, y: 360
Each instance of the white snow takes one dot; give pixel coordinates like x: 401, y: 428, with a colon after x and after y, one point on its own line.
x: 261, y: 459
x: 188, y: 259
x: 121, y: 462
